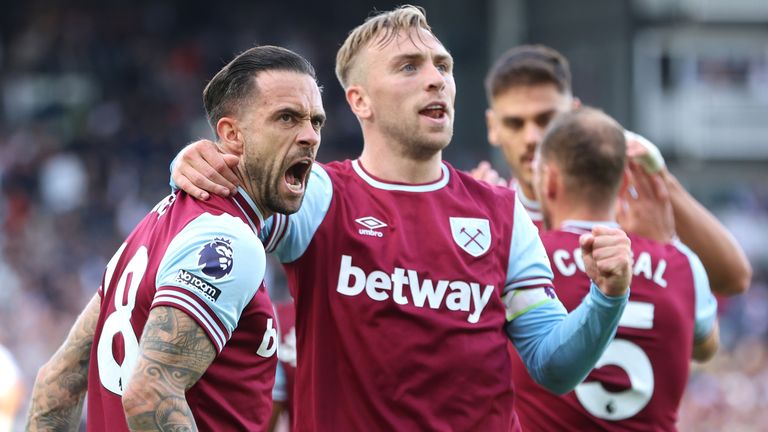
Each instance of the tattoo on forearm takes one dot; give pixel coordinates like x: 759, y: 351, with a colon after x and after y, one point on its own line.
x: 57, y: 398
x: 175, y: 352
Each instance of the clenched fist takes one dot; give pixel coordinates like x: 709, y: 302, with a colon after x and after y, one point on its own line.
x: 607, y: 257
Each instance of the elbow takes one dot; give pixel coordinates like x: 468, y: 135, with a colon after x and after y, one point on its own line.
x: 744, y: 281
x: 557, y: 383
x: 135, y: 396
x: 739, y: 283
x: 706, y: 349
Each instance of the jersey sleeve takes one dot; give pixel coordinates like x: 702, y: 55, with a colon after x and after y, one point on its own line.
x: 288, y: 236
x: 706, y: 303
x: 529, y: 275
x: 211, y: 270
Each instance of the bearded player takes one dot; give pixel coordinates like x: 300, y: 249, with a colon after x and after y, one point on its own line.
x: 181, y: 335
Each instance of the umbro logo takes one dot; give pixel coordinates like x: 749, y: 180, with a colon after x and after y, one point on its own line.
x: 371, y: 224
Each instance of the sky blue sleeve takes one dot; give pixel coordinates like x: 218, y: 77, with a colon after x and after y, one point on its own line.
x: 706, y: 303
x: 289, y: 236
x: 559, y: 349
x: 528, y: 265
x: 211, y: 270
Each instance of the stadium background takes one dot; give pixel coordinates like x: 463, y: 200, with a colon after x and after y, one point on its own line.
x: 97, y: 97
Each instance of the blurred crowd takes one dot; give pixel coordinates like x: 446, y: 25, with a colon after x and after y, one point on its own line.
x: 96, y: 102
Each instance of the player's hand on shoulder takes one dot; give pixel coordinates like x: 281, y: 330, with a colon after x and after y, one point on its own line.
x: 645, y: 207
x: 485, y: 172
x: 202, y: 169
x: 607, y: 255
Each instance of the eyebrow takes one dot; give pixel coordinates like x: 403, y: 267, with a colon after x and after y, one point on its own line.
x: 418, y: 56
x: 535, y: 116
x: 319, y: 117
x: 300, y: 114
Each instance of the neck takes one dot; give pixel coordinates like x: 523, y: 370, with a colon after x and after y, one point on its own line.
x: 584, y: 212
x: 394, y: 165
x: 250, y: 189
x: 527, y: 190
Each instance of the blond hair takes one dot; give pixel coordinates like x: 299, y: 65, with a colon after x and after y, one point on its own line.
x: 405, y: 17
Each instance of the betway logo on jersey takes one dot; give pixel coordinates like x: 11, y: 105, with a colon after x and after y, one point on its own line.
x: 457, y: 296
x: 208, y: 289
x: 371, y: 224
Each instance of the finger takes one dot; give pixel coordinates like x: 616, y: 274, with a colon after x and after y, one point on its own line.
x: 216, y: 160
x: 602, y: 230
x: 207, y: 177
x: 617, y: 268
x: 605, y: 241
x: 640, y: 180
x: 184, y: 184
x: 635, y: 149
x: 659, y: 186
x: 200, y: 181
x: 586, y: 241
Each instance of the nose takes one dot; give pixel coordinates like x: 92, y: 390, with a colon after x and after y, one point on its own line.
x: 308, y: 135
x: 435, y: 78
x: 533, y: 134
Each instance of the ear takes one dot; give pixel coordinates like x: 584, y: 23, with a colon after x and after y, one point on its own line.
x: 552, y: 183
x: 491, y: 124
x: 626, y: 179
x: 230, y: 138
x: 358, y: 101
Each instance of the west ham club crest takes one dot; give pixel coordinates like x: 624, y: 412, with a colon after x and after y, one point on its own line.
x: 473, y: 235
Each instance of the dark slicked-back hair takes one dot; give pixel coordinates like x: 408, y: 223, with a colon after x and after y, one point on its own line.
x: 528, y: 65
x: 235, y: 84
x: 590, y: 149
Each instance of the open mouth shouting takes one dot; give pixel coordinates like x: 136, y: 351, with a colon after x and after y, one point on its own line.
x: 436, y: 111
x: 296, y: 175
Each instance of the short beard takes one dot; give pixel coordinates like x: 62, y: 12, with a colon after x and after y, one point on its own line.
x: 414, y: 147
x: 265, y: 182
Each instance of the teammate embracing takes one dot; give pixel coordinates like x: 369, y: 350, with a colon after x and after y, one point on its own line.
x: 181, y: 335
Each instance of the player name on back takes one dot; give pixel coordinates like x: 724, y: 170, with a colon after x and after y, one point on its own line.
x: 459, y: 296
x: 567, y: 262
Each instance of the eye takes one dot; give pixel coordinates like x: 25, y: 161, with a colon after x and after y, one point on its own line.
x: 442, y: 67
x: 408, y: 67
x: 317, y: 123
x: 285, y: 117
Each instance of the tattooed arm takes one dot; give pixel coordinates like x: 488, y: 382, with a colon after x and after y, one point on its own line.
x: 174, y: 354
x: 57, y: 398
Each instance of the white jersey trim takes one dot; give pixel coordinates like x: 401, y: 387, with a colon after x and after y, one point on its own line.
x: 430, y: 187
x: 189, y: 305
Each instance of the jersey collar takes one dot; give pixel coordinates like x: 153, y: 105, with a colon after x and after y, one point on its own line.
x: 584, y: 226
x: 249, y: 209
x: 404, y: 187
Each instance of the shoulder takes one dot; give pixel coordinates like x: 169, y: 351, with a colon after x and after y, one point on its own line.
x: 483, y: 190
x: 669, y: 250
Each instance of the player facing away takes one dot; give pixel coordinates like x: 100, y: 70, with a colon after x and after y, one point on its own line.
x: 181, y: 335
x: 526, y: 88
x: 671, y: 317
x: 410, y: 276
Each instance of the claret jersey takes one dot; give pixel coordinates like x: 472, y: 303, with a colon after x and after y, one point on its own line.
x: 398, y: 291
x: 639, y: 381
x: 205, y: 259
